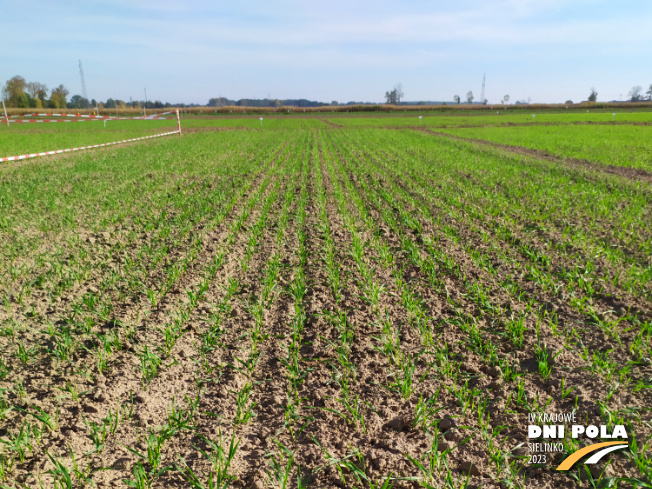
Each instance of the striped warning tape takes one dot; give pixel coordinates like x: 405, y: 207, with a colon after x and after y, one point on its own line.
x: 31, y: 121
x: 34, y: 155
x: 148, y: 118
x: 84, y: 116
x: 88, y: 116
x: 154, y: 115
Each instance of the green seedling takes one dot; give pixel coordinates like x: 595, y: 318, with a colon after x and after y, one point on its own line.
x: 565, y: 392
x: 60, y: 473
x: 281, y: 466
x: 149, y: 364
x: 152, y: 459
x: 244, y: 410
x: 72, y: 392
x: 25, y: 354
x: 425, y: 411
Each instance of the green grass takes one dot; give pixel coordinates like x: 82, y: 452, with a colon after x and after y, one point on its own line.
x: 269, y: 123
x: 621, y: 145
x: 538, y: 197
x: 499, y: 117
x: 21, y: 139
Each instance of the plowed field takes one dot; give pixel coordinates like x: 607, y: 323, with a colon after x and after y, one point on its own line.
x: 309, y: 305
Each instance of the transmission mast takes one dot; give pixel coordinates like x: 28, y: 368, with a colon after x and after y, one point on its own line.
x: 482, y: 92
x: 81, y: 73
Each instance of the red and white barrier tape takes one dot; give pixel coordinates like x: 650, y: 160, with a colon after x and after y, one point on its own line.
x: 154, y: 115
x: 32, y: 121
x: 85, y: 116
x: 34, y: 155
x: 27, y: 121
x: 148, y: 118
x: 62, y: 115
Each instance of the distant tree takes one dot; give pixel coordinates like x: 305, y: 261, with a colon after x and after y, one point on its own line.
x: 58, y: 97
x: 13, y: 89
x: 649, y: 93
x: 78, y: 102
x: 635, y: 93
x: 37, y: 90
x: 469, y: 97
x: 593, y: 96
x: 456, y: 98
x: 505, y: 99
x: 220, y: 102
x: 569, y: 102
x: 391, y: 97
x: 110, y: 104
x: 335, y: 102
x: 23, y: 101
x: 399, y: 92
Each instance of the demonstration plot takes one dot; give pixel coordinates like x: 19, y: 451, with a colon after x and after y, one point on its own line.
x: 331, y: 307
x: 621, y: 145
x: 35, y: 137
x: 498, y: 117
x: 266, y: 123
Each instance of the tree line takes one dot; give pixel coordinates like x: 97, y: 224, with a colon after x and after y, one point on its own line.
x: 267, y: 102
x: 18, y: 92
x: 636, y: 94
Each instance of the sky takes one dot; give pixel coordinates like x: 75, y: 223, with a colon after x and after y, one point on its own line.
x: 344, y: 50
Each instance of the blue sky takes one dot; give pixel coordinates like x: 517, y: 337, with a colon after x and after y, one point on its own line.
x: 547, y: 51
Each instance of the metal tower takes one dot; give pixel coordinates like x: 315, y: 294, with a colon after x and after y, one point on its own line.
x: 81, y: 73
x: 482, y: 92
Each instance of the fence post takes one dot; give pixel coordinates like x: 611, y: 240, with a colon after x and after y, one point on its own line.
x: 5, y: 110
x: 178, y: 123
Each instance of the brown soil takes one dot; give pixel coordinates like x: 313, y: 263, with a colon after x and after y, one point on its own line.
x: 331, y: 124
